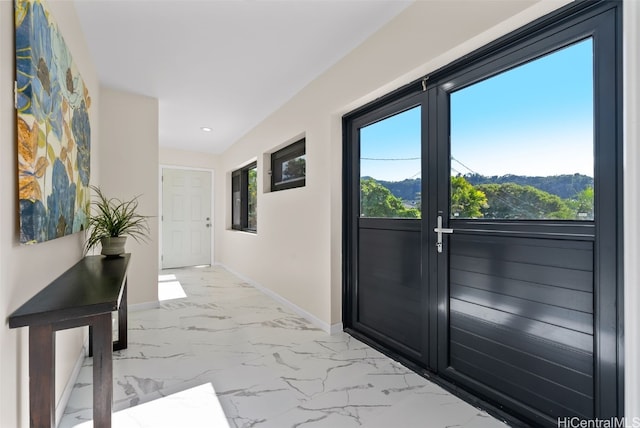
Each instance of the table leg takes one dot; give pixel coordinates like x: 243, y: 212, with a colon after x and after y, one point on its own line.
x: 122, y: 321
x: 102, y: 371
x: 42, y: 374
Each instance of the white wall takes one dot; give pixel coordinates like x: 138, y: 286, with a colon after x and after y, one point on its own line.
x: 631, y: 11
x: 129, y: 167
x: 185, y: 158
x: 297, y: 250
x: 25, y: 270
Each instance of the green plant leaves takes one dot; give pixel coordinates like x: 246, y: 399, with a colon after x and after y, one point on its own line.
x: 113, y: 217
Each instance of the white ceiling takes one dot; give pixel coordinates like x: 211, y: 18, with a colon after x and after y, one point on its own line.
x: 223, y: 64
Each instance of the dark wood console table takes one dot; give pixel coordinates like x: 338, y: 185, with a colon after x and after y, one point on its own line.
x: 86, y: 294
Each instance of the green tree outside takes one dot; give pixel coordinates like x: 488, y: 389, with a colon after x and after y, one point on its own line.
x: 489, y: 200
x: 378, y: 201
x: 582, y: 204
x: 252, y: 185
x: 294, y: 168
x: 466, y: 200
x: 513, y: 201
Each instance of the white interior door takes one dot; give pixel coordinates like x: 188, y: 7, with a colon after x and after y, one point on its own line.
x: 186, y: 218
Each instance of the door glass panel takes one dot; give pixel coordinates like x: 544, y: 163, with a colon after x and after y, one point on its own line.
x: 390, y: 167
x: 252, y: 198
x: 522, y: 144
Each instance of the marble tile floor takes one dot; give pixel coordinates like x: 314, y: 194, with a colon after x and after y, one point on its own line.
x: 229, y: 356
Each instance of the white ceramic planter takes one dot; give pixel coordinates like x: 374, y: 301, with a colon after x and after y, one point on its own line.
x: 113, y: 246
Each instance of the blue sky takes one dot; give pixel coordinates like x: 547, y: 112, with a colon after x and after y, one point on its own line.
x: 535, y: 119
x: 397, y: 137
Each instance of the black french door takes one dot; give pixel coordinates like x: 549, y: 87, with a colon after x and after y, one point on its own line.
x: 387, y: 230
x: 496, y: 267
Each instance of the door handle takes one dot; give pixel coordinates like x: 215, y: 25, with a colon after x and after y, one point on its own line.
x: 440, y: 230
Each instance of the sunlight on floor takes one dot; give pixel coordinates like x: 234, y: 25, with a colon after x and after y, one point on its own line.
x: 170, y: 288
x: 195, y: 407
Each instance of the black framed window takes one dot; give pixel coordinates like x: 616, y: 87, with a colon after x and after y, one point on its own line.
x: 244, y: 197
x: 521, y: 153
x: 288, y: 167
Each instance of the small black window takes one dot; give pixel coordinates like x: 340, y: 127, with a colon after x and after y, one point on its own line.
x: 288, y: 167
x: 244, y: 197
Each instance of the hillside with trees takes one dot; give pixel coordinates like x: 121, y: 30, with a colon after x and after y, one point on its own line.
x: 514, y: 201
x: 565, y: 186
x: 567, y: 197
x: 408, y: 190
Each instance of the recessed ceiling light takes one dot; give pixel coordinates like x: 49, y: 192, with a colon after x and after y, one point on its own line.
x: 206, y: 129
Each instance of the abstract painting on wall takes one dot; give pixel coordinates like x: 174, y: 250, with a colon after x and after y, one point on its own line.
x: 53, y: 129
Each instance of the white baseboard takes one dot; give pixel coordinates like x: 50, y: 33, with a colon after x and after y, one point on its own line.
x: 66, y: 393
x: 326, y: 327
x: 336, y: 328
x: 143, y: 306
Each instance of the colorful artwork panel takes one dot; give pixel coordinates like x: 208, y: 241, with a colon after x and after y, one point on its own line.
x: 54, y: 133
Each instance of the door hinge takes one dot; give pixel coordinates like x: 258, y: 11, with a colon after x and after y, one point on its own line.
x: 424, y: 83
x: 15, y: 94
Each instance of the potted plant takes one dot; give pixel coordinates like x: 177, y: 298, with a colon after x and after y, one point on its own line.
x: 111, y: 221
